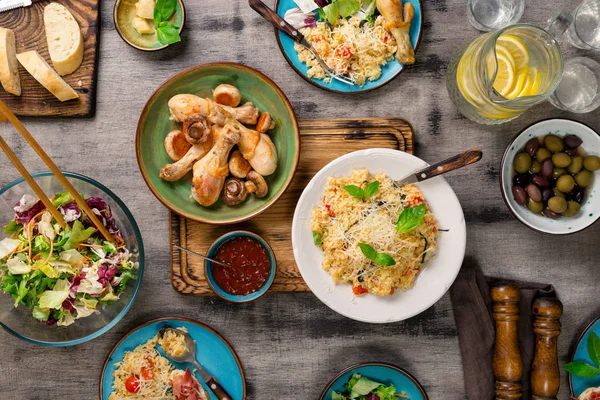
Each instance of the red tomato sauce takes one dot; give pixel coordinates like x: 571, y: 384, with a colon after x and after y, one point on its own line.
x: 250, y: 266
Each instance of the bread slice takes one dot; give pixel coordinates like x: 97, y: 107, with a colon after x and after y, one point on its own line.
x: 65, y: 42
x: 9, y: 68
x: 44, y: 74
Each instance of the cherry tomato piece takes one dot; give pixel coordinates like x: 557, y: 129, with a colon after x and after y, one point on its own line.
x: 132, y: 384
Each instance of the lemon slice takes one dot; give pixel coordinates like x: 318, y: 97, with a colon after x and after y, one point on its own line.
x: 519, y: 86
x: 501, y: 50
x: 516, y: 48
x: 532, y: 85
x: 505, y: 77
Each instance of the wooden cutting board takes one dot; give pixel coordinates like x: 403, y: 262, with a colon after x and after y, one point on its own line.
x: 35, y: 100
x: 322, y: 141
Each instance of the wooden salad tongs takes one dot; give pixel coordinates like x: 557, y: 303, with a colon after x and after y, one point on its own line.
x: 7, y: 115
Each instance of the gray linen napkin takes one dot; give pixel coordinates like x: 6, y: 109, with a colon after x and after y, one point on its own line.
x: 472, y: 307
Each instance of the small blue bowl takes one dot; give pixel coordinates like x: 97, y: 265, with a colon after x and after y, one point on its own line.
x: 212, y: 251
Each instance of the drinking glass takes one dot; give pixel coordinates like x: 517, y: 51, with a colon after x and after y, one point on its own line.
x: 488, y: 15
x: 579, y: 90
x: 585, y: 29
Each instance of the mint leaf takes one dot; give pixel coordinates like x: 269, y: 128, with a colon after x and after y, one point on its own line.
x: 167, y: 33
x: 355, y: 191
x: 410, y: 218
x: 368, y: 251
x: 163, y: 9
x: 594, y: 348
x: 317, y: 239
x: 12, y: 228
x: 385, y: 260
x: 581, y: 369
x: 371, y: 189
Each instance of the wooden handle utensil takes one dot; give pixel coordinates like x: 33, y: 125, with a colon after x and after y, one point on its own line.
x: 275, y: 20
x: 545, y: 374
x: 508, y: 366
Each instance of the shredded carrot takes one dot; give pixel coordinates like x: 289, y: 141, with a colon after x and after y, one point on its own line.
x: 90, y: 245
x: 120, y: 240
x: 49, y: 254
x: 29, y: 234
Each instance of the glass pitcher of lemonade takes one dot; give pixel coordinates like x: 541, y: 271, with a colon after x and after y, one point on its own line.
x: 501, y: 74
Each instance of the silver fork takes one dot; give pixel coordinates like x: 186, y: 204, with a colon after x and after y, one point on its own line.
x: 292, y: 32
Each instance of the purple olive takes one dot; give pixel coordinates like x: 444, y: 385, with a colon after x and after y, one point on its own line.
x: 571, y: 152
x: 547, y: 194
x: 534, y: 192
x: 572, y: 141
x: 550, y: 214
x: 520, y: 195
x: 579, y: 196
x: 521, y: 180
x: 540, y: 181
x: 531, y: 146
x: 547, y: 168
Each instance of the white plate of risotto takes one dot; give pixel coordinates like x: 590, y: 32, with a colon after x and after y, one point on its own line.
x: 374, y: 251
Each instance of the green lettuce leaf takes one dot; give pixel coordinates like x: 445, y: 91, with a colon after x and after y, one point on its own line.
x: 62, y: 199
x: 78, y: 234
x: 40, y: 314
x: 331, y: 13
x: 12, y: 228
x: 347, y: 7
x: 386, y: 392
x: 364, y: 386
x: 55, y: 297
x: 125, y: 277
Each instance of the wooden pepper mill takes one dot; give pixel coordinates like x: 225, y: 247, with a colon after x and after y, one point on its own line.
x: 508, y: 365
x: 545, y: 374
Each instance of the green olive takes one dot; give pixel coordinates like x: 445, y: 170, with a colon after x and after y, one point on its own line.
x: 542, y: 154
x: 558, y: 193
x: 561, y: 160
x: 535, y: 206
x: 522, y: 163
x: 554, y: 143
x: 565, y: 183
x: 583, y: 178
x: 576, y: 165
x: 558, y: 172
x: 536, y: 167
x: 557, y: 204
x: 573, y: 208
x: 591, y: 163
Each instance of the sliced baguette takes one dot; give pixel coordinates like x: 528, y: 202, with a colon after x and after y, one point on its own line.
x: 9, y: 68
x: 65, y: 42
x: 44, y: 74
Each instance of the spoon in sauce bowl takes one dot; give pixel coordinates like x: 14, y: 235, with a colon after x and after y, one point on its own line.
x: 189, y: 356
x: 202, y: 256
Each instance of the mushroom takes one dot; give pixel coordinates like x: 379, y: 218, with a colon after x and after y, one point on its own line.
x: 176, y: 145
x: 261, y: 185
x: 227, y: 95
x: 265, y: 123
x: 238, y: 165
x: 196, y: 129
x: 234, y: 191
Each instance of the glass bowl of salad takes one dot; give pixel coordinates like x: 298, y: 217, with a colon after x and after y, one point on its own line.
x: 65, y: 286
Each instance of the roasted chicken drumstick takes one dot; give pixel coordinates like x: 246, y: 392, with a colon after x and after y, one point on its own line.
x: 398, y: 23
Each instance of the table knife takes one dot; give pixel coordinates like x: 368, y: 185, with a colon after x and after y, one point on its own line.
x: 450, y: 164
x: 6, y: 5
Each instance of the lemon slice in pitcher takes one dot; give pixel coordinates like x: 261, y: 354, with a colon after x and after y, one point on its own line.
x: 517, y: 49
x: 505, y: 76
x: 521, y: 81
x: 532, y: 84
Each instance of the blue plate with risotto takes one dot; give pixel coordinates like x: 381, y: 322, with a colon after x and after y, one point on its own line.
x: 147, y: 372
x: 582, y: 353
x: 376, y: 66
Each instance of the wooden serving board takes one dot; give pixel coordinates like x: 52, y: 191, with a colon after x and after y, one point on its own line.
x: 35, y: 100
x: 321, y: 142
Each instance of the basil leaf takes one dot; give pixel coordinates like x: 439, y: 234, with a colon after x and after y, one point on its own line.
x: 410, y: 218
x: 167, y: 33
x: 317, y: 239
x: 368, y: 251
x: 582, y: 369
x: 385, y: 260
x: 163, y: 9
x: 355, y: 191
x: 594, y: 348
x: 371, y: 189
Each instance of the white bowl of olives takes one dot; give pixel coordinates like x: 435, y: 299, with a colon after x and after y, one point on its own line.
x: 548, y: 176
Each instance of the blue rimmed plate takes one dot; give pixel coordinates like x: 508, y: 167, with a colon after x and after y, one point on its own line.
x: 384, y: 373
x: 388, y: 71
x: 213, y: 351
x: 577, y: 383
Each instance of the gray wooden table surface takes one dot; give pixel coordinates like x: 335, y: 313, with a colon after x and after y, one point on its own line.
x: 292, y: 344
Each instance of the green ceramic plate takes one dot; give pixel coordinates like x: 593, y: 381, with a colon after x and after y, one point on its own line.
x: 123, y: 14
x: 154, y: 124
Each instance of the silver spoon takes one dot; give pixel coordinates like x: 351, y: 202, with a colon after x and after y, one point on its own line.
x: 190, y: 357
x: 201, y: 256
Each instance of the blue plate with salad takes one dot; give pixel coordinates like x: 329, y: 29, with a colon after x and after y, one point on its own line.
x: 584, y: 368
x: 65, y: 286
x: 374, y: 381
x: 138, y: 364
x: 370, y: 41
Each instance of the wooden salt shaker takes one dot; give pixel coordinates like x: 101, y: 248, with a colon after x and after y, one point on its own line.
x: 508, y: 366
x: 545, y: 374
